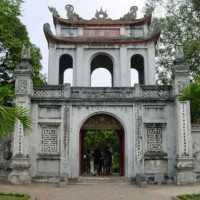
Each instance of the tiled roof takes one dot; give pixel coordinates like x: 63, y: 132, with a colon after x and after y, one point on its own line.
x: 67, y: 22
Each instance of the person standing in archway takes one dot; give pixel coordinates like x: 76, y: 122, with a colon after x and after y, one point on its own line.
x: 97, y: 156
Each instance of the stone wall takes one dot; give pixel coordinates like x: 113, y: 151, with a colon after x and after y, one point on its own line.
x: 5, y: 157
x: 196, y: 147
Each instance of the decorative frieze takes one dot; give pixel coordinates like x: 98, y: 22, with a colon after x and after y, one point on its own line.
x: 139, y: 138
x: 48, y: 93
x: 49, y: 139
x: 156, y: 93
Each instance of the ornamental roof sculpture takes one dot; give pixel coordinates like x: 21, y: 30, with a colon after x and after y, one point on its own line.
x: 101, y: 20
x: 54, y: 11
x: 99, y: 15
x: 71, y: 14
x: 131, y: 15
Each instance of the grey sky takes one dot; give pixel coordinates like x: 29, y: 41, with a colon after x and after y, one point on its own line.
x: 36, y: 13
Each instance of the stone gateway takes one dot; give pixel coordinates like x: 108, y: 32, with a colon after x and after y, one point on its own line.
x: 153, y: 126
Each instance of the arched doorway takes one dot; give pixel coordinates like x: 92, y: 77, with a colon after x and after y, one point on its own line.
x: 110, y: 134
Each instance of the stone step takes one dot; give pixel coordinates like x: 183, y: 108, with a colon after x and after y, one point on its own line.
x: 103, y: 179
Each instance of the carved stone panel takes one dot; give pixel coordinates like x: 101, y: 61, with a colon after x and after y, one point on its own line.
x: 139, y: 137
x: 184, y: 128
x: 22, y: 86
x: 66, y: 134
x: 49, y: 139
x: 154, y: 139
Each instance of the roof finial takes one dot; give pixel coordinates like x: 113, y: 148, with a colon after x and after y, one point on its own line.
x: 54, y: 11
x: 101, y: 15
x: 71, y: 14
x: 131, y: 15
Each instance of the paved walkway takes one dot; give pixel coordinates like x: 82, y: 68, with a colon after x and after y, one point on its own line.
x: 100, y: 191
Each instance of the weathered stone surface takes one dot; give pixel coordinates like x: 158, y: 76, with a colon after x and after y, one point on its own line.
x: 184, y: 178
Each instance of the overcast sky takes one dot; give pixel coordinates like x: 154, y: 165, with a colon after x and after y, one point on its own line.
x: 36, y: 13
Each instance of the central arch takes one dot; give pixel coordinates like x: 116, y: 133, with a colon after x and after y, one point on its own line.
x: 98, y: 124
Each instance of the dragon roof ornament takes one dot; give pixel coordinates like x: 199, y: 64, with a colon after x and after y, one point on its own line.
x: 100, y: 15
x: 53, y: 11
x: 131, y: 15
x: 71, y: 15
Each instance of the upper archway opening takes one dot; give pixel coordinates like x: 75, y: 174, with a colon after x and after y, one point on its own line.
x: 137, y: 63
x: 66, y: 62
x: 102, y: 62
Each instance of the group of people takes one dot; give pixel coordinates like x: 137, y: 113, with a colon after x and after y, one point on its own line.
x: 103, y: 161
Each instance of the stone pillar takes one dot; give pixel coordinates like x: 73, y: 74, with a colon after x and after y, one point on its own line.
x: 24, y: 89
x: 125, y: 69
x: 149, y: 65
x: 53, y: 66
x: 78, y: 79
x: 185, y: 163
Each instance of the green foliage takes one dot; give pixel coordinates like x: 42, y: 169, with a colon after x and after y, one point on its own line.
x: 180, y: 25
x: 189, y: 197
x: 102, y: 138
x: 10, y: 196
x: 13, y: 35
x: 9, y: 115
x: 192, y: 92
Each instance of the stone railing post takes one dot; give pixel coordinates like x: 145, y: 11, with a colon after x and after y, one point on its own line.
x: 184, y: 163
x: 24, y: 89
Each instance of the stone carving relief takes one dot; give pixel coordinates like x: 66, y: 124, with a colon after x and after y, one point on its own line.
x: 25, y: 53
x: 102, y: 121
x: 139, y: 137
x: 66, y: 135
x: 154, y: 138
x: 179, y: 55
x: 5, y: 153
x: 131, y: 15
x: 70, y: 13
x: 49, y: 139
x: 101, y: 15
x: 53, y: 11
x: 184, y: 128
x: 181, y: 84
x: 22, y: 86
x: 47, y: 28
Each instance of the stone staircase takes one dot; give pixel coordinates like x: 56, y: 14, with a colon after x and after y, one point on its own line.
x: 103, y: 180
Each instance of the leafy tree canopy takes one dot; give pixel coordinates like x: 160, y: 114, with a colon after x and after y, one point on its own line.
x: 13, y: 35
x: 180, y: 21
x: 192, y: 92
x: 10, y: 115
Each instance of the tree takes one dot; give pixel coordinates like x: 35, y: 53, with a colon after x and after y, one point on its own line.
x: 192, y: 92
x: 13, y: 35
x: 180, y: 25
x: 9, y: 115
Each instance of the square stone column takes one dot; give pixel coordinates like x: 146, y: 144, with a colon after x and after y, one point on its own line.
x: 185, y: 162
x: 24, y: 89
